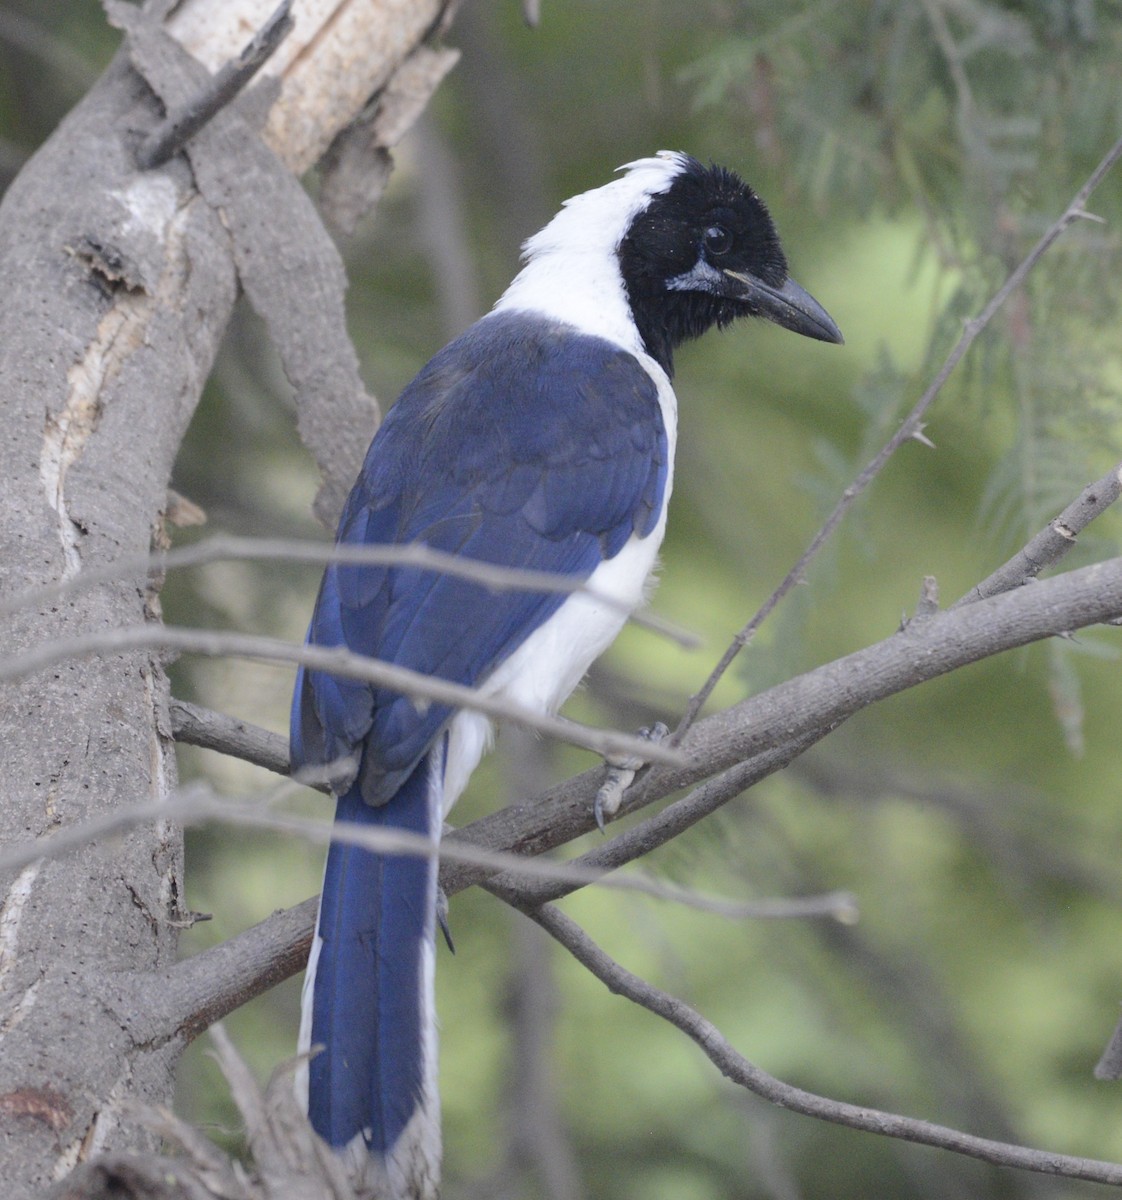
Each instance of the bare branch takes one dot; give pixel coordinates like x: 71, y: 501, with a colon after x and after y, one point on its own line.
x: 181, y: 124
x: 196, y: 804
x: 424, y: 688
x: 1052, y: 543
x: 910, y: 427
x: 813, y: 704
x: 764, y: 733
x: 736, y: 1067
x: 197, y: 726
x: 224, y: 547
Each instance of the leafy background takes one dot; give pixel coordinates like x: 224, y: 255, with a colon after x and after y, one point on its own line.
x: 910, y: 152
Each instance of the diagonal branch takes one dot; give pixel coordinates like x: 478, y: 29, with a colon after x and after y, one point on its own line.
x: 224, y: 547
x: 745, y: 1074
x: 817, y: 701
x: 184, y: 121
x: 424, y: 688
x: 1053, y: 542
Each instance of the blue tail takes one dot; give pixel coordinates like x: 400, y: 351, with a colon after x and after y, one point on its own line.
x: 372, y: 1088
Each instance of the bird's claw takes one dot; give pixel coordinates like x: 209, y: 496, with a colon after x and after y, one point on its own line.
x: 442, y: 917
x: 621, y: 772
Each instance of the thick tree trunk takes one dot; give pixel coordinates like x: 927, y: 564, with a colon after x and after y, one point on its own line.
x: 118, y: 284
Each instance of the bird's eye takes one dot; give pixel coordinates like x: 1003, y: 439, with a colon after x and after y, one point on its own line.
x: 717, y: 240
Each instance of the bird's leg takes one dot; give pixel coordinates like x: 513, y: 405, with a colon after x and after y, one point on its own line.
x: 620, y: 773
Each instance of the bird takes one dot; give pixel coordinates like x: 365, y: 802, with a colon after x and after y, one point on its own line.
x: 542, y: 438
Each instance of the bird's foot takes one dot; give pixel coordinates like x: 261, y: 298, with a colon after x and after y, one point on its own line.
x: 620, y: 774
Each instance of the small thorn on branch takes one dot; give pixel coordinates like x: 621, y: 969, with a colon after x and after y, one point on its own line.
x: 182, y: 123
x: 927, y: 605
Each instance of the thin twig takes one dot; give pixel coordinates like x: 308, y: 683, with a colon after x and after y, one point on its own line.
x: 224, y: 547
x: 423, y: 688
x: 1053, y: 542
x: 736, y: 1067
x: 183, y: 122
x: 910, y: 427
x: 678, y: 816
x: 197, y: 805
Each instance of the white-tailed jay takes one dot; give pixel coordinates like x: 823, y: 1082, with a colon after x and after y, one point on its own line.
x: 542, y: 438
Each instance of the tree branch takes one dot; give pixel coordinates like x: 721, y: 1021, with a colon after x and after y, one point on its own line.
x: 1053, y: 542
x: 425, y: 688
x: 180, y: 125
x: 745, y: 1074
x: 816, y: 702
x: 761, y: 733
x: 194, y: 725
x: 224, y: 547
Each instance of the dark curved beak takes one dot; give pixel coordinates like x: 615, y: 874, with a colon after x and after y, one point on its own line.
x: 790, y: 306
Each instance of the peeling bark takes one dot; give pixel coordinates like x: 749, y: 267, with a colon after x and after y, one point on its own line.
x: 118, y: 286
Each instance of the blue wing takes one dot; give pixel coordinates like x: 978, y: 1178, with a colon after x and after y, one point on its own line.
x: 522, y: 443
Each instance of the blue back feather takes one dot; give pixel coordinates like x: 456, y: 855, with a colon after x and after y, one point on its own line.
x: 522, y: 443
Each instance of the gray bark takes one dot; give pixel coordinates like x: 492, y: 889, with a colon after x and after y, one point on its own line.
x: 118, y: 286
x: 99, y: 375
